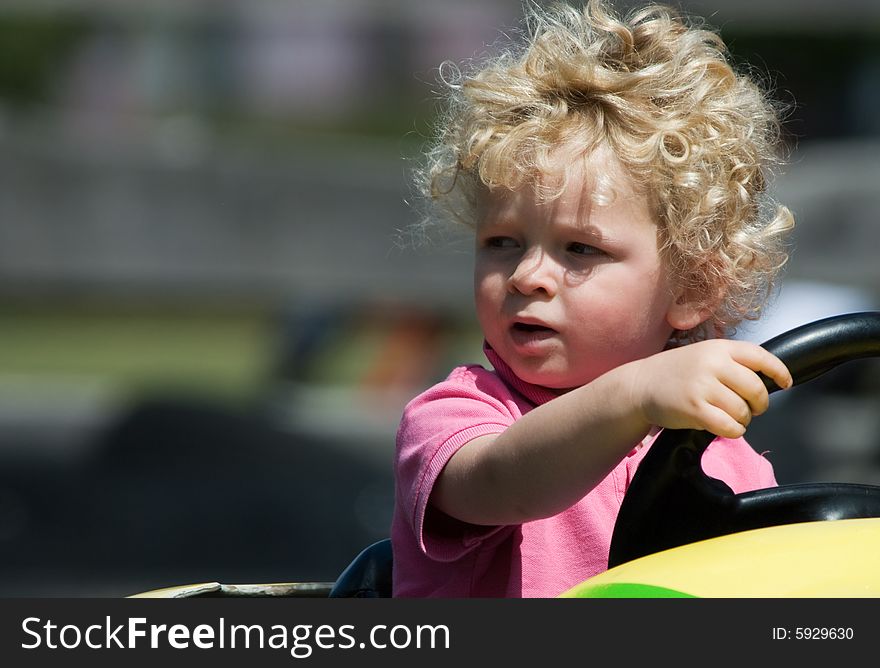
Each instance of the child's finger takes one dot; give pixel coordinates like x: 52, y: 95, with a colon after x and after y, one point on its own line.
x: 733, y: 404
x: 748, y: 386
x: 759, y: 359
x: 719, y: 422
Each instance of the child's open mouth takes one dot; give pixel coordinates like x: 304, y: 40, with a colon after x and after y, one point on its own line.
x: 529, y: 334
x: 527, y: 327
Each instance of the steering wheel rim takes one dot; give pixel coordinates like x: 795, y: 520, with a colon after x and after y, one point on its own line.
x: 671, y: 501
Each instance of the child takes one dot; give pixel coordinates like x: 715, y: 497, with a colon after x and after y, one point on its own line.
x: 614, y: 173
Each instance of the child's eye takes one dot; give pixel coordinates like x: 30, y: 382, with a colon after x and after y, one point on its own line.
x: 579, y: 248
x: 501, y: 242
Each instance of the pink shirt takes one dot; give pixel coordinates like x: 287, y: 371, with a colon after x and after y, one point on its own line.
x: 435, y: 555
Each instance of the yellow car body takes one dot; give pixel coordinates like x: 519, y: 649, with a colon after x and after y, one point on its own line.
x: 837, y: 559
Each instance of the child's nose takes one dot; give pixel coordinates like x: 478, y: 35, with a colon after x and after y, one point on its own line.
x: 535, y: 272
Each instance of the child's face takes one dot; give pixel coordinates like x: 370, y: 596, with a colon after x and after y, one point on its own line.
x: 568, y: 289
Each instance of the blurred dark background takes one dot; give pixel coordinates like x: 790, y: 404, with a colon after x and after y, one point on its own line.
x: 210, y: 312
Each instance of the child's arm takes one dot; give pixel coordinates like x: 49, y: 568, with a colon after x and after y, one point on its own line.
x: 551, y: 457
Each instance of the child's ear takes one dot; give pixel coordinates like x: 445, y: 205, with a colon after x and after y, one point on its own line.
x: 687, y: 311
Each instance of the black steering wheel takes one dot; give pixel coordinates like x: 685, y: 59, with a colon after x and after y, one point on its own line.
x: 672, y: 502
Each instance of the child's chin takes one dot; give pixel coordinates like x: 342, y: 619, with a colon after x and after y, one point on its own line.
x: 552, y: 380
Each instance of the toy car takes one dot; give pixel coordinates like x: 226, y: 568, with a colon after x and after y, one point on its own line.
x: 680, y: 533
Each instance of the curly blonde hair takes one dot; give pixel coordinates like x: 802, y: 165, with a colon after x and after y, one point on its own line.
x: 660, y: 91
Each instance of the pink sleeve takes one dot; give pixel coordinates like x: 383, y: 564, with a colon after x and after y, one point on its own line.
x: 434, y: 426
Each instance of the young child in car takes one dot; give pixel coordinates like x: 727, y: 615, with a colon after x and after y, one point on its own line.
x: 615, y: 174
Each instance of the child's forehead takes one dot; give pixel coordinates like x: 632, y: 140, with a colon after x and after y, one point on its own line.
x: 597, y: 172
x: 573, y: 178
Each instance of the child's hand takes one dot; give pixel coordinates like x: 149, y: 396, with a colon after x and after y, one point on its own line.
x: 711, y: 385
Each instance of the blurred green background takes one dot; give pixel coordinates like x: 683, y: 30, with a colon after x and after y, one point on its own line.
x: 211, y: 309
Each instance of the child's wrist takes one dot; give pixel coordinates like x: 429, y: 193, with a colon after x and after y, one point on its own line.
x: 631, y: 393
